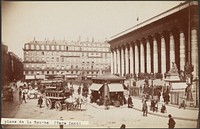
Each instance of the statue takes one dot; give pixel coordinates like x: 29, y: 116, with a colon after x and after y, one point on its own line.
x: 174, y: 69
x: 189, y: 93
x: 189, y: 68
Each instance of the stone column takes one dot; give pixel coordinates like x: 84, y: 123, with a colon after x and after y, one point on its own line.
x: 148, y: 57
x: 142, y: 66
x: 122, y: 61
x: 112, y: 54
x: 163, y: 55
x: 171, y: 49
x: 126, y: 60
x: 155, y: 56
x: 182, y: 51
x: 115, y: 62
x: 131, y: 60
x: 136, y: 60
x: 194, y: 51
x: 118, y: 61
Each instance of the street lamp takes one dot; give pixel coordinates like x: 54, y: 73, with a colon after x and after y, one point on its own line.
x: 189, y: 68
x: 196, y: 80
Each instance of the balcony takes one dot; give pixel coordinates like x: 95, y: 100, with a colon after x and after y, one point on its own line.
x: 42, y: 62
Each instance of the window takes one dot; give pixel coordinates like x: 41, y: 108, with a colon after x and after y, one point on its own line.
x: 42, y: 53
x: 26, y: 59
x: 47, y: 47
x: 106, y: 55
x: 57, y: 66
x: 37, y: 47
x: 42, y: 47
x: 67, y: 48
x: 32, y: 46
x: 42, y: 66
x: 57, y: 59
x: 47, y: 59
x: 26, y: 46
x: 62, y: 47
x: 62, y: 59
x: 52, y: 47
x: 57, y: 47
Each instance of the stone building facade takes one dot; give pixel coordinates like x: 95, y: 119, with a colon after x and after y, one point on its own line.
x: 69, y: 59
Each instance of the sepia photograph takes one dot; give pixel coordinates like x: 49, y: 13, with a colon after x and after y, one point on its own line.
x: 99, y: 64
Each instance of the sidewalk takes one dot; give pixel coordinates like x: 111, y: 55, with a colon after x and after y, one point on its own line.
x: 189, y: 113
x: 181, y: 114
x: 10, y: 108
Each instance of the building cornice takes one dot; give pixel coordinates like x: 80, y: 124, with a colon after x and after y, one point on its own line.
x: 155, y: 18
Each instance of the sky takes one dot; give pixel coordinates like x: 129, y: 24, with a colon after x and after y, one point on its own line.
x: 69, y: 20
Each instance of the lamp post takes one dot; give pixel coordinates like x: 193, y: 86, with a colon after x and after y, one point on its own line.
x: 196, y: 80
x: 189, y: 68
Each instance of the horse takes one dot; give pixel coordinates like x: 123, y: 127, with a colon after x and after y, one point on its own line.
x: 78, y: 102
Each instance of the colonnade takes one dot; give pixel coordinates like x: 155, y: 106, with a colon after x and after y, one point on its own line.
x: 155, y: 53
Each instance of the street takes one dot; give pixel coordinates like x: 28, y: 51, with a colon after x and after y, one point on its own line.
x: 10, y: 108
x: 99, y: 117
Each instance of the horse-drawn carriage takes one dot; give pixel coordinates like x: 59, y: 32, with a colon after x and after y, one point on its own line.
x: 61, y: 99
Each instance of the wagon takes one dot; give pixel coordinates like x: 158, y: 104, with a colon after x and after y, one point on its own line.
x: 7, y: 93
x: 55, y: 98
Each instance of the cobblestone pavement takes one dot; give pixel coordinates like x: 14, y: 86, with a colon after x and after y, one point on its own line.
x: 99, y: 117
x: 10, y: 108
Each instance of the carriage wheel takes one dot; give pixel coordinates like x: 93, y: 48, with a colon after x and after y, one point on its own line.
x: 58, y: 106
x: 71, y: 106
x: 49, y: 104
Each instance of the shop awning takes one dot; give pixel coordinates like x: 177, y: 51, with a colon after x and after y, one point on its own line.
x: 116, y: 87
x: 95, y: 86
x: 29, y: 77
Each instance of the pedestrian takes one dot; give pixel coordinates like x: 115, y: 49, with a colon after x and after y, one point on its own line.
x: 159, y: 94
x: 123, y: 126
x: 20, y: 94
x: 106, y: 102
x: 40, y: 101
x: 171, y: 123
x: 163, y: 108
x: 130, y: 102
x: 79, y: 90
x: 144, y: 108
x: 23, y: 97
x: 183, y: 104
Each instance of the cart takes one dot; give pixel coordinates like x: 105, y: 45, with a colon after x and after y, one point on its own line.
x: 55, y: 99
